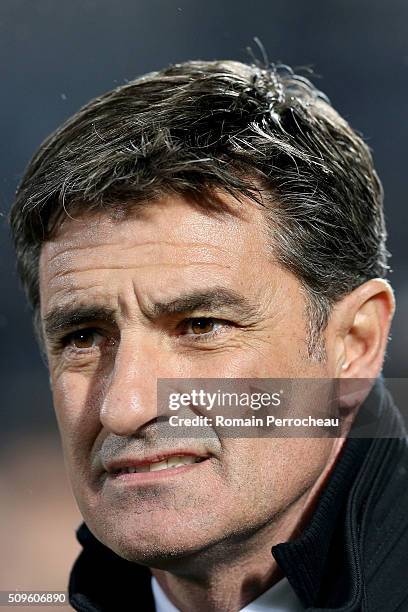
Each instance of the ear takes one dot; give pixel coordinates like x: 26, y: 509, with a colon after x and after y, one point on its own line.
x: 362, y: 322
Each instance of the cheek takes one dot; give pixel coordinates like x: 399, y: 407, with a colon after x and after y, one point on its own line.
x: 76, y: 412
x: 273, y: 472
x: 263, y: 359
x: 296, y: 463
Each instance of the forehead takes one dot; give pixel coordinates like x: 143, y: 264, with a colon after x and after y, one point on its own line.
x: 170, y: 240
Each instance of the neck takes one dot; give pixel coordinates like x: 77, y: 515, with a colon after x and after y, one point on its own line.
x: 231, y: 574
x: 228, y: 576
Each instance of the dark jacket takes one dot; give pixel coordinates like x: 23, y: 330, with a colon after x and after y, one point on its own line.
x: 352, y: 556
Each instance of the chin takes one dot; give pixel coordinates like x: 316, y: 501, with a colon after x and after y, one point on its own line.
x: 155, y: 543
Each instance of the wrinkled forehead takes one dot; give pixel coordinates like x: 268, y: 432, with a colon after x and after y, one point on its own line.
x: 173, y: 215
x: 170, y: 239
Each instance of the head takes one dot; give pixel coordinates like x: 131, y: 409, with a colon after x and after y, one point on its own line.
x: 210, y: 220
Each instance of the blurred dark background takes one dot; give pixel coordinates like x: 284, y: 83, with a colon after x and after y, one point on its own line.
x: 55, y: 56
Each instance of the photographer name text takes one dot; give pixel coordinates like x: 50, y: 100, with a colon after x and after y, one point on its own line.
x: 251, y: 421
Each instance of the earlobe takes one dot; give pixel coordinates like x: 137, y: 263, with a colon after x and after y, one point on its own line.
x: 365, y: 317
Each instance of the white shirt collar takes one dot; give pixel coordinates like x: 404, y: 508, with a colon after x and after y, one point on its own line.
x: 279, y: 598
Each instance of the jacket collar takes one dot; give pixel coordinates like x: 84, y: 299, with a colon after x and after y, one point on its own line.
x: 325, y: 564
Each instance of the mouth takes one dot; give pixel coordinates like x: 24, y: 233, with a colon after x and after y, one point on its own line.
x: 157, y: 467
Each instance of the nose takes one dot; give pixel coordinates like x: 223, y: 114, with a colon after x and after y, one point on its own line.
x: 129, y: 401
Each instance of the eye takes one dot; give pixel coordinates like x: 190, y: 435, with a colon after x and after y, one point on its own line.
x: 84, y: 339
x: 202, y: 326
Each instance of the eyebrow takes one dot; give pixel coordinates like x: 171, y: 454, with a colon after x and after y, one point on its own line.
x: 63, y: 318
x: 211, y: 299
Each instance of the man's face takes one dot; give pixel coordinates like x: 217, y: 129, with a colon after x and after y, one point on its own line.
x: 171, y: 292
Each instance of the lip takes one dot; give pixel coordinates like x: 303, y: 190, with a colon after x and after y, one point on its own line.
x: 139, y: 478
x: 114, y: 467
